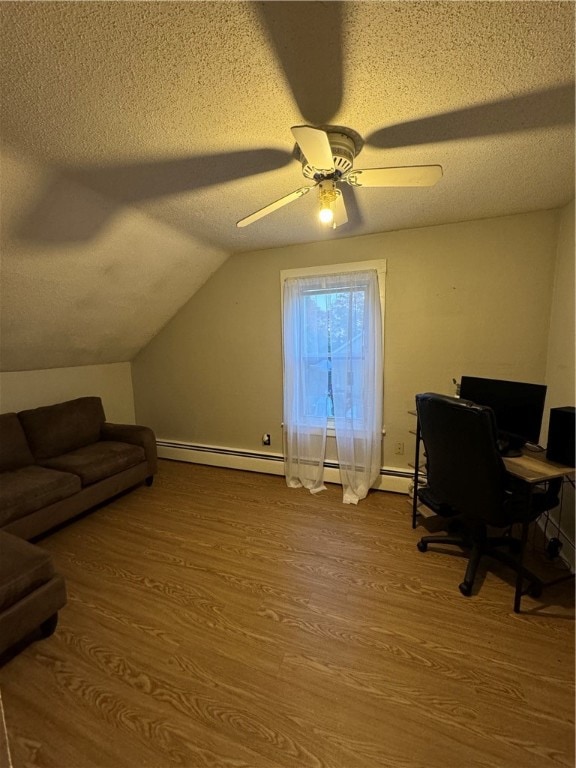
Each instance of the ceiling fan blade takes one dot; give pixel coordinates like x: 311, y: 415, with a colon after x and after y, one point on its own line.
x: 539, y: 109
x: 408, y: 176
x: 315, y: 147
x: 353, y: 211
x: 273, y: 206
x: 307, y: 38
x: 339, y: 210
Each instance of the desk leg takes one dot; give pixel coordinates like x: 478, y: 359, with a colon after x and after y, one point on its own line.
x: 519, y: 577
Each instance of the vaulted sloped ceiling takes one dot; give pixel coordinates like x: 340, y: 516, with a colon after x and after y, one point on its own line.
x: 135, y: 135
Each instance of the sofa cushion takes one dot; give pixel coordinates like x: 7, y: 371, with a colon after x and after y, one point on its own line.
x: 14, y: 449
x: 23, y: 568
x: 55, y: 429
x: 97, y: 461
x: 28, y: 489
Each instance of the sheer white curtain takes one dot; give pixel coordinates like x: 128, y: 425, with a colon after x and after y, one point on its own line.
x: 333, y: 378
x: 306, y: 406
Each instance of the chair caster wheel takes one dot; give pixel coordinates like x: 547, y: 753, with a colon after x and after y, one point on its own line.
x: 422, y: 546
x: 535, y: 589
x: 465, y: 589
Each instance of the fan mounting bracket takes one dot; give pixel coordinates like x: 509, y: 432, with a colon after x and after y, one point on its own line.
x: 345, y: 145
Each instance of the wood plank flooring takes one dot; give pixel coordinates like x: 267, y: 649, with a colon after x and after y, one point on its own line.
x: 219, y: 619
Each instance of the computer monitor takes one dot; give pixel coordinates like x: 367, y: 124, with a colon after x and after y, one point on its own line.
x: 518, y: 408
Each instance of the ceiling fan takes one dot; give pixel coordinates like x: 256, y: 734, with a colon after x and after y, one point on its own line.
x: 315, y: 73
x: 327, y: 157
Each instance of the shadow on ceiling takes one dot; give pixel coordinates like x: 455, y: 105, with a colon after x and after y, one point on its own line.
x: 64, y: 217
x: 309, y: 47
x: 80, y: 202
x: 307, y: 40
x: 538, y: 109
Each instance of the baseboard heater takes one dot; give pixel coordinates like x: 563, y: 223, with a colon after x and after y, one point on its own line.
x: 392, y: 479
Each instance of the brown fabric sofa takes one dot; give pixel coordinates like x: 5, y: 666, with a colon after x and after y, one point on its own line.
x: 56, y: 462
x: 59, y: 460
x: 31, y: 592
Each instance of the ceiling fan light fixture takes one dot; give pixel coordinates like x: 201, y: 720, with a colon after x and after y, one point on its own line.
x: 327, y: 157
x: 326, y: 196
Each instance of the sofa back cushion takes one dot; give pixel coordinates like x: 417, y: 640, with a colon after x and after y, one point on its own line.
x: 56, y: 429
x: 14, y: 449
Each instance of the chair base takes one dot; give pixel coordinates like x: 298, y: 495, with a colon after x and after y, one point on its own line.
x: 480, y: 546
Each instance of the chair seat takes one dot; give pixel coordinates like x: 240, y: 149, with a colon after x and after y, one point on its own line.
x: 427, y: 497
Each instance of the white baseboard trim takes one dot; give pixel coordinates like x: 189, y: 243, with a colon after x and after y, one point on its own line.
x: 396, y: 480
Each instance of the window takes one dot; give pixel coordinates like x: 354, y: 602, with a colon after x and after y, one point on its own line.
x: 327, y: 329
x: 334, y: 319
x: 332, y: 325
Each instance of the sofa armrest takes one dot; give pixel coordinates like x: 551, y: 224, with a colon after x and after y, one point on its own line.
x: 135, y: 435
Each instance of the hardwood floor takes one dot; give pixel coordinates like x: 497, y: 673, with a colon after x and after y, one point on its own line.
x: 221, y: 619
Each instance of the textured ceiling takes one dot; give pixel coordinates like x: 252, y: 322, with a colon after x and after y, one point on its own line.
x: 135, y: 135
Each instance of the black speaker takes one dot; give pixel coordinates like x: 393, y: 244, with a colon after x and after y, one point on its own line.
x: 561, y: 435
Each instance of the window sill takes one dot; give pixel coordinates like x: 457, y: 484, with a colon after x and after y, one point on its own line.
x: 331, y: 431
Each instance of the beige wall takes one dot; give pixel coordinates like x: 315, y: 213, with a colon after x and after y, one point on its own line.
x: 29, y: 389
x: 470, y: 298
x: 561, y: 363
x: 561, y: 343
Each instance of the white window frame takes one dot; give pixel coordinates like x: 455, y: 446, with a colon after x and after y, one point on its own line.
x: 378, y: 265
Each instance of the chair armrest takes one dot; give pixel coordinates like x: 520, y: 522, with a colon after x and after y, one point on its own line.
x: 135, y: 435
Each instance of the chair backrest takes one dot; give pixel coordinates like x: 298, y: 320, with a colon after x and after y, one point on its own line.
x: 463, y: 466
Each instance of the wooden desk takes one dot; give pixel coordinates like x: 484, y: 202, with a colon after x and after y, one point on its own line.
x: 534, y: 468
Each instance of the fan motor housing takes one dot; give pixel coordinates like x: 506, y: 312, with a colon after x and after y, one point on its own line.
x: 344, y: 146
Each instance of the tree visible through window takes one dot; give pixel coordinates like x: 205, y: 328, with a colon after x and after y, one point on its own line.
x: 334, y: 353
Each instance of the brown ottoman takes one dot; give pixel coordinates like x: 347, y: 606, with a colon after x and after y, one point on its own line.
x: 31, y: 593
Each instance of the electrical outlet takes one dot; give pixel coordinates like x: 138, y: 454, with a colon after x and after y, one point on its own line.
x: 399, y: 449
x: 266, y: 439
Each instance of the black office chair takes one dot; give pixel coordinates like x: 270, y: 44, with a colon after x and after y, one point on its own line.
x: 466, y: 480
